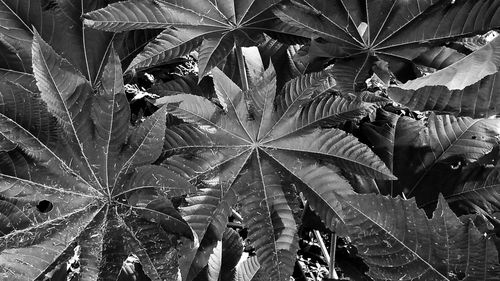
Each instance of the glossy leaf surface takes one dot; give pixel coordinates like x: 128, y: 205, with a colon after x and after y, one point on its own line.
x: 410, y: 246
x: 468, y: 87
x: 255, y: 158
x: 77, y: 186
x: 451, y: 155
x: 359, y: 33
x: 215, y: 26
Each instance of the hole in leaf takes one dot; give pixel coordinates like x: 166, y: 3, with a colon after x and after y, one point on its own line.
x: 44, y: 206
x: 474, y: 137
x: 456, y: 166
x: 75, y: 265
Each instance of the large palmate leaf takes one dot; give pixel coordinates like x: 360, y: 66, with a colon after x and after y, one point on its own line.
x: 254, y: 159
x: 398, y: 241
x: 85, y: 48
x: 77, y: 186
x: 216, y: 26
x: 359, y: 33
x: 446, y: 156
x: 468, y: 87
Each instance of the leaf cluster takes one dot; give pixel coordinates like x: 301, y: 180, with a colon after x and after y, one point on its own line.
x: 332, y: 109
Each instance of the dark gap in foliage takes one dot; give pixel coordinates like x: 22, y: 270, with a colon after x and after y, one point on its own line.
x: 49, y: 5
x: 44, y: 206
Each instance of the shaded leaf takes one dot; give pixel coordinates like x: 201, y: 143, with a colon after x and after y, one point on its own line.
x: 187, y: 84
x: 447, y: 156
x: 413, y: 247
x: 439, y: 57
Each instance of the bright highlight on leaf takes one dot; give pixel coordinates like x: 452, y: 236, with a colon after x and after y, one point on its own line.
x: 467, y: 87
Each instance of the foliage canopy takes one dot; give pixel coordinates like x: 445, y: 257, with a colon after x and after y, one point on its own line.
x: 405, y: 166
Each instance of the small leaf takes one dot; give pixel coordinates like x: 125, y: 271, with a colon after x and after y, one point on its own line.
x: 169, y: 44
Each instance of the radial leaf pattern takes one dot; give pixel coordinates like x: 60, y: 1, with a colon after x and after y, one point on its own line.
x: 217, y: 25
x: 247, y: 161
x: 359, y: 33
x: 75, y: 183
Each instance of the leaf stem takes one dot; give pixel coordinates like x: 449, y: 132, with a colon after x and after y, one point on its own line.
x: 332, y: 274
x: 242, y: 69
x: 322, y: 245
x: 244, y: 81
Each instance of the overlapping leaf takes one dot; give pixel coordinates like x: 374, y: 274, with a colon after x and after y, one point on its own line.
x: 447, y: 156
x: 76, y: 184
x: 256, y: 157
x: 85, y: 48
x: 224, y: 259
x: 215, y: 26
x: 466, y: 88
x: 410, y: 246
x: 359, y: 33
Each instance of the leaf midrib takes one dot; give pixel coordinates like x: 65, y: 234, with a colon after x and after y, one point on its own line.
x: 324, y: 155
x: 80, y: 145
x: 439, y: 158
x: 303, y: 182
x: 52, y: 153
x: 395, y: 238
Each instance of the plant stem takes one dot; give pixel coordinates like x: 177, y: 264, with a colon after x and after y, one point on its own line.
x: 244, y: 81
x: 333, y: 249
x: 322, y: 245
x: 242, y: 69
x: 237, y: 215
